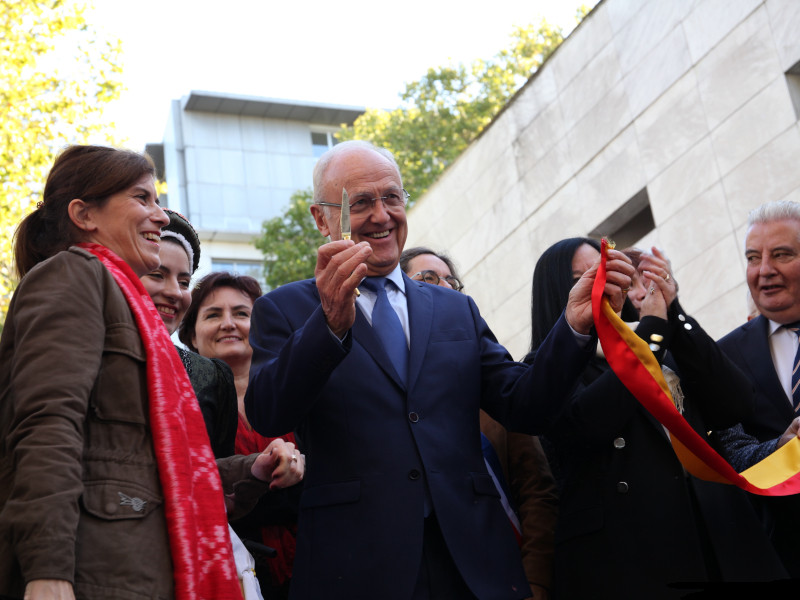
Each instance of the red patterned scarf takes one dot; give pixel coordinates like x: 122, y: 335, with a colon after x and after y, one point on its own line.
x: 202, y: 556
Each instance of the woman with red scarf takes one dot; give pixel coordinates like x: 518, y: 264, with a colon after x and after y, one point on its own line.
x: 108, y: 486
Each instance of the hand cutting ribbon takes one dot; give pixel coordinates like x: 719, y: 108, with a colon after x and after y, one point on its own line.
x: 637, y: 368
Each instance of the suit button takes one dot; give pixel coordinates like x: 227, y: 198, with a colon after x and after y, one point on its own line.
x: 622, y: 487
x: 413, y: 417
x: 619, y: 443
x: 413, y: 474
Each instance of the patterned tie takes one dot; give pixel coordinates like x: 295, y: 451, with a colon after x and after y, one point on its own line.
x: 795, y: 328
x: 387, y: 325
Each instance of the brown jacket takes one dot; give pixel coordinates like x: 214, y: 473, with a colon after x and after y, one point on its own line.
x: 80, y: 497
x: 533, y: 490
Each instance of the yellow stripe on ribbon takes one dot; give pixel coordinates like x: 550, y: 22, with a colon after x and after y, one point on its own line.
x: 631, y: 359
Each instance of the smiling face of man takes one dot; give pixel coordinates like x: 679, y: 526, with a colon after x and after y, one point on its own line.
x: 365, y: 174
x: 772, y: 252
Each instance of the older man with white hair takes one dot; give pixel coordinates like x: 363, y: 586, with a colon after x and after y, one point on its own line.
x: 398, y: 503
x: 767, y: 349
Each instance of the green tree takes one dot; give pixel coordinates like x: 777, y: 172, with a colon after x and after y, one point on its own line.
x: 449, y: 106
x: 42, y: 109
x: 290, y: 242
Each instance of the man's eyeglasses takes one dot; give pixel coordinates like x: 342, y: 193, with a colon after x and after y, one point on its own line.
x: 433, y: 278
x: 362, y: 206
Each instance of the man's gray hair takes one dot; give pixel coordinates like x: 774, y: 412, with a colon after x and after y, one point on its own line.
x: 774, y: 211
x: 325, y: 160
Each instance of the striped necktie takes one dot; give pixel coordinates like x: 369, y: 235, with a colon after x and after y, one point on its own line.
x: 795, y: 328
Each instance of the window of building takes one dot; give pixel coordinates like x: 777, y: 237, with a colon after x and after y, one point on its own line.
x: 321, y: 142
x: 253, y: 268
x: 629, y: 223
x: 793, y: 83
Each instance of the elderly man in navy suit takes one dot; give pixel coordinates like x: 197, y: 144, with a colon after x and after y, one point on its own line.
x: 766, y: 349
x: 383, y: 378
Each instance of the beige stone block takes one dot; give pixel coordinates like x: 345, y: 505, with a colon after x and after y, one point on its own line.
x: 567, y: 202
x: 711, y: 20
x: 563, y: 222
x: 535, y: 96
x: 493, y: 141
x: 664, y: 65
x: 682, y: 181
x: 572, y: 56
x: 620, y: 12
x: 706, y: 217
x: 671, y: 125
x: 500, y: 271
x: 711, y: 274
x: 511, y: 322
x: 548, y: 174
x: 741, y: 236
x: 793, y: 196
x: 767, y: 175
x: 594, y: 82
x: 654, y: 238
x: 784, y: 20
x: 539, y: 137
x: 648, y: 28
x: 725, y: 313
x: 739, y: 67
x: 760, y: 120
x: 599, y: 127
x: 612, y: 178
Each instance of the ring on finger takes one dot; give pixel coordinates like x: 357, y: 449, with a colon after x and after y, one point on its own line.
x: 652, y: 289
x: 667, y: 278
x: 294, y: 457
x: 626, y: 290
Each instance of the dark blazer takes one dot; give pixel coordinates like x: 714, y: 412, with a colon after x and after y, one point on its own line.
x: 627, y: 508
x: 373, y: 442
x: 748, y: 347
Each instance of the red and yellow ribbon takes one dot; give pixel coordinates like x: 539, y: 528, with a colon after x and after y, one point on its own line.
x: 630, y: 357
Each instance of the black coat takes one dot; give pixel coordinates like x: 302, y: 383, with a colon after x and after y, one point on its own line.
x: 631, y: 521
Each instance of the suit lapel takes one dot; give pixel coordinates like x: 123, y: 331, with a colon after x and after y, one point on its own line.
x: 420, y: 319
x: 758, y: 358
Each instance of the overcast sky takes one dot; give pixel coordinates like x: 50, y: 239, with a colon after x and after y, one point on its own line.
x: 350, y: 52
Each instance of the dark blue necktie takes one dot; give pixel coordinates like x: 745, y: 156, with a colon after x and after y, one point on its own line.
x: 387, y: 325
x: 795, y: 328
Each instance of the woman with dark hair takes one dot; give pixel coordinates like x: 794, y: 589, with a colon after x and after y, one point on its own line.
x: 169, y: 288
x: 631, y: 521
x: 108, y: 487
x: 217, y: 326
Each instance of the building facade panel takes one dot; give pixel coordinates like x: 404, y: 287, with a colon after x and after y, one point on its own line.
x: 700, y: 129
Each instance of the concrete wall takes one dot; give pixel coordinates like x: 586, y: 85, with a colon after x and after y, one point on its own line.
x: 690, y: 100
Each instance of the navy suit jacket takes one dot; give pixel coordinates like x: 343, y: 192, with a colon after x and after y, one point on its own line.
x: 374, y: 443
x: 748, y: 347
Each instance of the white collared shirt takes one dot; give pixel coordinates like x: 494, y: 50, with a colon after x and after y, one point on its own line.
x: 783, y: 347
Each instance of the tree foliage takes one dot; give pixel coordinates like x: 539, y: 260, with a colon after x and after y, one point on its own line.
x: 290, y: 242
x: 449, y: 106
x: 46, y: 103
